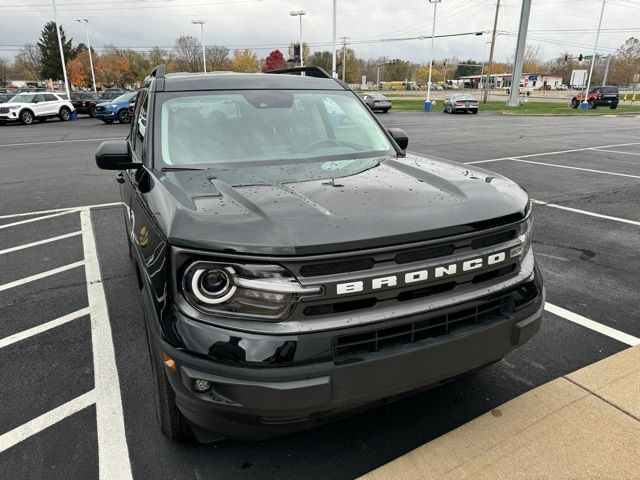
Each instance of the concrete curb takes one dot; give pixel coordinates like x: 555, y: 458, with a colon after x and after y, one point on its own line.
x: 581, y: 426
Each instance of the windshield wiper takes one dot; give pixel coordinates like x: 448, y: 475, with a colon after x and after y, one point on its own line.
x: 178, y: 169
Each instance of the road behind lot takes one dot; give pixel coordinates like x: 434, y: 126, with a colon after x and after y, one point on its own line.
x: 588, y: 261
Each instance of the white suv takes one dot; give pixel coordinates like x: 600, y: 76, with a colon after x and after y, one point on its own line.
x: 27, y: 107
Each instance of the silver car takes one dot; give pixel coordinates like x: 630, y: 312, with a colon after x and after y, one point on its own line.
x: 461, y: 103
x: 377, y: 101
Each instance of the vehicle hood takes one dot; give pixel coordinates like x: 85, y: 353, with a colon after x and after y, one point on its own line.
x: 14, y: 104
x: 309, y: 208
x: 106, y: 104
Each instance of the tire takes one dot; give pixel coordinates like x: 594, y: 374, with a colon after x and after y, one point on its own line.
x: 385, y: 110
x: 108, y: 122
x: 123, y: 116
x: 592, y: 105
x: 42, y: 119
x: 92, y: 112
x: 575, y: 103
x: 475, y: 112
x: 172, y: 423
x: 65, y: 114
x: 613, y: 106
x: 26, y: 117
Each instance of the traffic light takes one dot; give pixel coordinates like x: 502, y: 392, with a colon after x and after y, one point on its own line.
x: 444, y: 64
x: 566, y: 58
x: 296, y: 52
x: 580, y: 57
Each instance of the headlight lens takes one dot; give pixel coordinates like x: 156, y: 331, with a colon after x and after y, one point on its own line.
x: 255, y: 291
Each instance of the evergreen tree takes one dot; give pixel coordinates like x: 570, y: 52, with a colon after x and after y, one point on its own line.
x: 51, y: 66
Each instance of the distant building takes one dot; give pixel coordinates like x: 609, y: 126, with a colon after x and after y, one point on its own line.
x: 532, y: 81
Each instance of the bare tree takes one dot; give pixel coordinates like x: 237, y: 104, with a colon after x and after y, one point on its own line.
x: 188, y: 51
x: 4, y: 70
x: 28, y: 63
x: 218, y: 58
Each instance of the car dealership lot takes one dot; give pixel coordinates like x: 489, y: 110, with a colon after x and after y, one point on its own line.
x: 76, y: 387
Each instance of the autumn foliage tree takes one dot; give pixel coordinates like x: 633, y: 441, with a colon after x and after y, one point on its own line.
x: 244, y: 61
x: 274, y: 61
x: 111, y: 69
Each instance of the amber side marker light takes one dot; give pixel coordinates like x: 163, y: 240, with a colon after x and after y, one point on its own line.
x: 168, y: 361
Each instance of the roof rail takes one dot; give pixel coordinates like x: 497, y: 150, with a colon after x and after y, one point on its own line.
x: 158, y: 72
x: 317, y: 72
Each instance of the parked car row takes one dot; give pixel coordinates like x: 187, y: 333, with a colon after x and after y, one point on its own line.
x: 40, y: 106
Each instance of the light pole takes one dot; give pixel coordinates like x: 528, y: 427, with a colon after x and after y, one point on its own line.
x: 585, y: 102
x: 433, y: 35
x: 334, y: 73
x: 93, y: 75
x: 64, y: 65
x: 300, y: 14
x: 204, y: 56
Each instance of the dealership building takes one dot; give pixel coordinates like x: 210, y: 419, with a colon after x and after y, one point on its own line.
x: 534, y: 81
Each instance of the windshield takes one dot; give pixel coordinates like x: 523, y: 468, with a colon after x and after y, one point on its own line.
x: 23, y: 98
x: 125, y: 97
x: 266, y: 125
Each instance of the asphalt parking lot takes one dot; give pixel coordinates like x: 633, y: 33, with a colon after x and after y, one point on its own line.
x: 76, y: 389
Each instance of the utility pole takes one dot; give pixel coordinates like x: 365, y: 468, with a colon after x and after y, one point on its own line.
x: 334, y: 73
x: 300, y: 14
x: 585, y: 102
x: 204, y: 55
x: 64, y: 65
x: 344, y: 57
x: 606, y: 70
x: 519, y: 59
x: 493, y: 45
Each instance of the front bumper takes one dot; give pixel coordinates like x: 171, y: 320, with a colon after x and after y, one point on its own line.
x: 106, y: 115
x: 250, y: 402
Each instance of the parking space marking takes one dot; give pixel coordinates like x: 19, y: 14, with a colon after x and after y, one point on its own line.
x: 614, y: 151
x: 60, y: 141
x: 17, y: 337
x: 46, y: 420
x: 113, y: 452
x: 40, y: 242
x: 45, y: 217
x: 38, y: 276
x: 56, y: 210
x: 590, y: 324
x: 532, y: 155
x: 585, y: 212
x: 591, y: 170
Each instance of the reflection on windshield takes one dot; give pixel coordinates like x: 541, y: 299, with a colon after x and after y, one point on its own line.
x: 261, y: 126
x: 23, y: 98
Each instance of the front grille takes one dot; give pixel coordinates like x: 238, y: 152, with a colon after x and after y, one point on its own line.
x: 4, y: 109
x: 456, y: 320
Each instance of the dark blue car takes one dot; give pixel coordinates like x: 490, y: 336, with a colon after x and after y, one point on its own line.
x: 115, y: 109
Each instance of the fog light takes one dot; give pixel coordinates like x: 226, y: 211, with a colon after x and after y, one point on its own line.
x: 515, y: 252
x: 201, y: 386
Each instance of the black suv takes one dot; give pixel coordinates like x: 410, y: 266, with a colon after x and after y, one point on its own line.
x: 85, y: 102
x: 295, y: 263
x: 599, y: 97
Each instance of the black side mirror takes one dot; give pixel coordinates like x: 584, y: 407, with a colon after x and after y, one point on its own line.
x: 400, y: 136
x: 114, y: 155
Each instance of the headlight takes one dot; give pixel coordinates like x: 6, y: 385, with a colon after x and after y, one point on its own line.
x: 525, y: 232
x: 255, y: 291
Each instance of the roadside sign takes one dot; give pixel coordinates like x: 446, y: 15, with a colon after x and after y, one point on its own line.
x: 533, y: 78
x: 578, y: 78
x: 525, y: 82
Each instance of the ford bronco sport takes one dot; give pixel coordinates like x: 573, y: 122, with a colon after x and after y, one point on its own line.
x: 296, y: 263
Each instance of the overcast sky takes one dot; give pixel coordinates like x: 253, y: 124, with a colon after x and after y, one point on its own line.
x: 556, y: 25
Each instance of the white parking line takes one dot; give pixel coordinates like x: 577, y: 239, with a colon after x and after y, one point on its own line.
x: 22, y: 222
x: 40, y: 242
x: 17, y: 337
x: 113, y: 452
x: 60, y: 141
x: 38, y: 276
x: 614, y: 151
x: 575, y: 168
x: 590, y: 324
x: 551, y: 153
x: 55, y: 210
x: 585, y: 212
x: 38, y: 424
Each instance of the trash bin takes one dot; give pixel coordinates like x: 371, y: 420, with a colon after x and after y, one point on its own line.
x: 427, y: 106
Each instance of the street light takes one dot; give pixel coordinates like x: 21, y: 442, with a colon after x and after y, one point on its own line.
x: 334, y: 73
x: 300, y: 13
x: 86, y: 27
x: 433, y: 35
x: 204, y: 57
x: 64, y: 65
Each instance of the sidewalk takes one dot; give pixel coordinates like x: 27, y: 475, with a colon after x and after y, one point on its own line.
x: 585, y: 425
